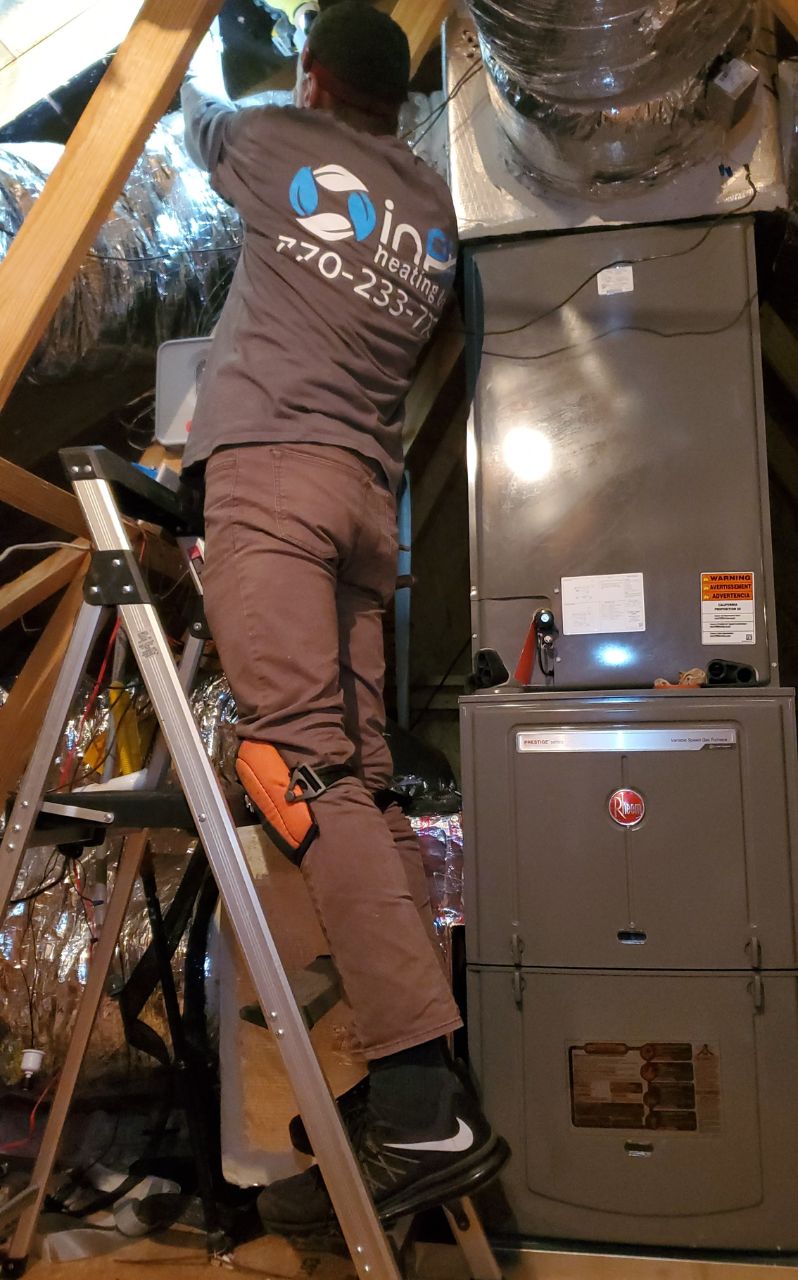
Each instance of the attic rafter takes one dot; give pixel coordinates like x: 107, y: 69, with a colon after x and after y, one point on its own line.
x: 109, y: 137
x: 787, y: 13
x: 421, y: 21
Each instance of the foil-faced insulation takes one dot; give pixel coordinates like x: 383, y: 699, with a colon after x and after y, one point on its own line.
x: 46, y: 943
x: 598, y: 95
x: 159, y: 268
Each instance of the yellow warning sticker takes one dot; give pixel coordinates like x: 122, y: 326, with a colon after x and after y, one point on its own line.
x: 727, y: 608
x: 727, y: 586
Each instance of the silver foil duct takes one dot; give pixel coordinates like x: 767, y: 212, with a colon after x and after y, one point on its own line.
x: 46, y: 943
x: 159, y: 268
x: 598, y: 94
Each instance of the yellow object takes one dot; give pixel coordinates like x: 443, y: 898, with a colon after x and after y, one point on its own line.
x: 291, y: 8
x: 129, y: 754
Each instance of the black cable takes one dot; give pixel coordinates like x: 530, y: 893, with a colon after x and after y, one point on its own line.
x: 631, y: 328
x: 112, y: 733
x: 160, y: 257
x: 43, y: 888
x: 440, y: 684
x: 629, y: 262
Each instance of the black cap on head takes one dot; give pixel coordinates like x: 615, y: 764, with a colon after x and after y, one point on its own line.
x: 364, y: 49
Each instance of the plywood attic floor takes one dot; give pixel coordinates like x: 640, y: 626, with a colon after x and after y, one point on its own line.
x: 180, y: 1255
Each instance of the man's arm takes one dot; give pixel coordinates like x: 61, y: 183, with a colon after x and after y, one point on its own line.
x: 206, y: 105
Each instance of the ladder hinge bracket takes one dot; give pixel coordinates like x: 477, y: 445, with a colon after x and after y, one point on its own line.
x: 114, y: 578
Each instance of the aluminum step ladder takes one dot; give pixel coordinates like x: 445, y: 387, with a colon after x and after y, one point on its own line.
x: 110, y: 490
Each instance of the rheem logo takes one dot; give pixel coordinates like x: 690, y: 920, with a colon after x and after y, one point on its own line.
x: 627, y: 808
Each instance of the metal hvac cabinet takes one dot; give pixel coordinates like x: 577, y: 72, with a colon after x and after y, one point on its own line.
x: 612, y: 462
x: 581, y: 1069
x: 704, y: 881
x: 633, y: 992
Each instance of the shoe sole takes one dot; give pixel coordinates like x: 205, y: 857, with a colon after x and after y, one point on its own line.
x: 427, y: 1193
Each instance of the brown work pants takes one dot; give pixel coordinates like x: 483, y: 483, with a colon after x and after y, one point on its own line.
x: 300, y: 562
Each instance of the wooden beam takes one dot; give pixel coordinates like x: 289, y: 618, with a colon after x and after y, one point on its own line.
x: 435, y: 476
x: 787, y: 13
x: 75, y: 37
x: 38, y: 498
x: 439, y: 363
x: 109, y: 137
x: 21, y: 715
x: 40, y: 582
x: 421, y: 20
x: 780, y: 347
x: 61, y: 510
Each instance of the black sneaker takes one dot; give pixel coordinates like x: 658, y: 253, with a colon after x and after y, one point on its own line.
x: 405, y: 1172
x: 352, y: 1106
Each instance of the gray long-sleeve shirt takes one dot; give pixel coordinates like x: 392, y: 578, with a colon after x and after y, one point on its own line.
x: 348, y: 260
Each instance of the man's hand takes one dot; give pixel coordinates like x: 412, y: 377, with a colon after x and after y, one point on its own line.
x: 206, y: 65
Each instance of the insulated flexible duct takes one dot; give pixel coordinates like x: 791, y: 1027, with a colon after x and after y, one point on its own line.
x: 159, y: 268
x: 599, y: 93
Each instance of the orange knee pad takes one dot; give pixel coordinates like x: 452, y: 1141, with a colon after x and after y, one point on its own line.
x: 267, y: 781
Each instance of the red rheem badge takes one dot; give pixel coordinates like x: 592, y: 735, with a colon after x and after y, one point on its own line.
x: 627, y: 808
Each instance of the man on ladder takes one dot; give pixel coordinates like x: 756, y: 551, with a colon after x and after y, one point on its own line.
x: 348, y: 262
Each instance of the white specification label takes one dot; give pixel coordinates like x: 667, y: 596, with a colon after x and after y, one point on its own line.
x: 603, y: 604
x: 727, y: 608
x: 618, y: 279
x: 623, y: 741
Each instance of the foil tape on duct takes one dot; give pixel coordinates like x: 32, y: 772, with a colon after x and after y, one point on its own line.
x: 160, y: 267
x: 599, y: 94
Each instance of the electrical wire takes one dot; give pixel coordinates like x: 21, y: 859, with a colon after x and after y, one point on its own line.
x: 43, y: 888
x: 87, y: 710
x: 628, y: 262
x: 23, y: 1142
x: 434, y: 116
x: 36, y: 546
x: 440, y: 684
x: 630, y: 328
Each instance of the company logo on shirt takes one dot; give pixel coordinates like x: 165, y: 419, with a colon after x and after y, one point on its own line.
x: 306, y: 193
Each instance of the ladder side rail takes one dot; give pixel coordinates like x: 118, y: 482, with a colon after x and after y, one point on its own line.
x: 371, y: 1252
x: 26, y: 807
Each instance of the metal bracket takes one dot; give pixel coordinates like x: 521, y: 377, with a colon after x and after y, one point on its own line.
x: 114, y: 578
x: 197, y: 622
x: 309, y: 782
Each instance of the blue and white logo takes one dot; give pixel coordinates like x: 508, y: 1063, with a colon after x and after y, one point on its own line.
x: 441, y: 255
x: 307, y: 195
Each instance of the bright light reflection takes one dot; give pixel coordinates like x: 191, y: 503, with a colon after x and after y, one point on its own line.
x: 528, y: 454
x: 614, y: 655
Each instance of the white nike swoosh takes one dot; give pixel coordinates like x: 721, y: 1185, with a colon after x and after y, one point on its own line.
x: 461, y: 1141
